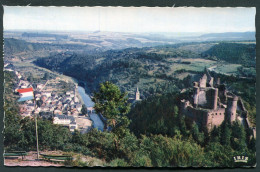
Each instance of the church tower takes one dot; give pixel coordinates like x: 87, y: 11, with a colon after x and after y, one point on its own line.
x: 137, y: 94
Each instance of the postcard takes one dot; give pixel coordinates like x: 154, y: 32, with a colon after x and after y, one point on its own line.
x: 129, y: 86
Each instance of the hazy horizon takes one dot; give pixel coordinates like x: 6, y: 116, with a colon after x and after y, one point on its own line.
x: 35, y: 30
x: 130, y: 19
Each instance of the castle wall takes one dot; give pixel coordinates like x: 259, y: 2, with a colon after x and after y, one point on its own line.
x: 222, y: 93
x: 212, y: 98
x: 205, y: 117
x: 206, y: 97
x: 202, y: 100
x: 198, y: 115
x: 215, y: 105
x: 211, y: 81
x: 240, y: 105
x: 215, y: 118
x: 196, y: 96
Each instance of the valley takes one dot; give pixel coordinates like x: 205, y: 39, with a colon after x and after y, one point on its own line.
x: 162, y: 66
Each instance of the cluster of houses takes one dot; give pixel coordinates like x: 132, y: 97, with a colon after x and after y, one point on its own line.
x: 62, y: 109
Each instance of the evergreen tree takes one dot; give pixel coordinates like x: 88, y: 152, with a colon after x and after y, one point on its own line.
x: 30, y: 78
x: 112, y: 104
x: 238, y: 136
x: 196, y: 134
x: 84, y: 110
x: 206, y: 136
x: 215, y: 135
x: 252, y: 144
x: 225, y: 134
x: 46, y: 76
x: 181, y: 122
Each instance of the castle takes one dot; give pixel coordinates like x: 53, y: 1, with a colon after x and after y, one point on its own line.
x: 211, y: 104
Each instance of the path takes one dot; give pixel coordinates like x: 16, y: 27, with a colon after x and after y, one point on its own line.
x: 30, y: 160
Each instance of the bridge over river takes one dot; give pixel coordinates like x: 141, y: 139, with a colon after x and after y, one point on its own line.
x: 97, y: 122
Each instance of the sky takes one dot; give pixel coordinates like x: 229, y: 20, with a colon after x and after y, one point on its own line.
x: 130, y: 19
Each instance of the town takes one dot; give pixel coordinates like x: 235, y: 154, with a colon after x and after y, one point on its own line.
x: 65, y: 109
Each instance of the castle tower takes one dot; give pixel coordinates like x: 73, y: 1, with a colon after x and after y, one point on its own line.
x: 215, y: 104
x: 196, y: 96
x: 203, y: 81
x: 232, y: 108
x: 137, y: 94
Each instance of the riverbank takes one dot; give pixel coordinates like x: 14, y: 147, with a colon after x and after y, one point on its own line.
x: 97, y: 121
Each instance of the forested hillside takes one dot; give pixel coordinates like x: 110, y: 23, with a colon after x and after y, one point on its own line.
x: 153, y: 69
x: 146, y: 67
x: 244, y: 54
x: 157, y: 70
x: 12, y: 46
x: 21, y: 49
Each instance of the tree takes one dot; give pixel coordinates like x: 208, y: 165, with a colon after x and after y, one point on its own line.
x: 118, y: 163
x: 187, y: 81
x: 39, y: 103
x: 215, y: 135
x: 181, y: 122
x: 84, y: 110
x: 196, y: 134
x: 46, y: 76
x: 112, y: 104
x: 163, y: 151
x: 252, y: 144
x: 30, y: 78
x: 238, y: 136
x: 102, y: 144
x: 12, y: 132
x: 217, y: 155
x: 225, y: 134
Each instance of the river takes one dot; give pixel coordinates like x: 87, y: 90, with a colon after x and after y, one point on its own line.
x: 97, y: 122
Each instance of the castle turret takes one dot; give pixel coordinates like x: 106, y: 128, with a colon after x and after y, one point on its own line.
x: 232, y: 108
x: 137, y: 94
